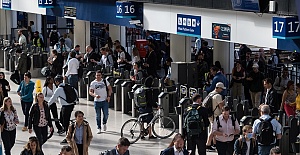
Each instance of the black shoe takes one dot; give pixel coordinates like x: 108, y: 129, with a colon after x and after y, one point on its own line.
x: 152, y: 137
x: 63, y: 142
x: 210, y: 149
x: 60, y: 132
x: 143, y: 137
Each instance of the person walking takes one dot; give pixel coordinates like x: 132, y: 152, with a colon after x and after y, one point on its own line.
x: 66, y: 108
x: 176, y: 146
x: 79, y: 135
x: 8, y: 121
x: 40, y: 119
x: 25, y: 92
x: 101, y: 90
x: 266, y: 139
x: 246, y: 144
x: 238, y: 76
x: 48, y: 90
x: 288, y: 103
x: 32, y: 147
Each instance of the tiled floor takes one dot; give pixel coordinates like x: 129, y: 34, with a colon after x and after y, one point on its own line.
x: 99, y: 143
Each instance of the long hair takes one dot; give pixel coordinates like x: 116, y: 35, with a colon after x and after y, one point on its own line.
x: 47, y: 81
x: 4, y: 106
x: 177, y: 137
x: 31, y: 140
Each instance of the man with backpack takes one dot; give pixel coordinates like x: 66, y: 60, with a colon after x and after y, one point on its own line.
x: 195, y: 126
x: 225, y: 127
x: 67, y: 97
x: 79, y: 134
x: 214, y: 104
x: 101, y: 90
x: 266, y: 130
x: 54, y: 36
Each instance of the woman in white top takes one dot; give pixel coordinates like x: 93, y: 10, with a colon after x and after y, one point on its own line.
x: 136, y: 56
x: 48, y: 91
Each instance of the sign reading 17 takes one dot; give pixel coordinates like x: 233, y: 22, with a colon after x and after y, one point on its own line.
x: 129, y: 9
x: 46, y: 2
x: 293, y: 26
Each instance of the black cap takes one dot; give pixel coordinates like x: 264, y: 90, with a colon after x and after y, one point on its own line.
x: 58, y: 78
x: 61, y: 40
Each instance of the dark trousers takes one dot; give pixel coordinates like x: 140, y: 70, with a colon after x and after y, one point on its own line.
x: 247, y: 95
x: 200, y: 143
x: 65, y: 115
x: 41, y: 134
x: 8, y: 139
x: 25, y: 108
x: 80, y: 149
x: 53, y: 109
x: 225, y: 148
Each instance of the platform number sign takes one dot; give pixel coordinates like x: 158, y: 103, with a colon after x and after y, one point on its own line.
x: 128, y: 9
x: 6, y: 4
x: 47, y: 3
x: 286, y: 28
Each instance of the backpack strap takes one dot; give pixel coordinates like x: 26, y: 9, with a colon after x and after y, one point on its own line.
x: 233, y: 121
x: 218, y: 122
x: 104, y: 81
x: 241, y: 142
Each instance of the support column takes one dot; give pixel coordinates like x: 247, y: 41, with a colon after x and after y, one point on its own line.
x: 224, y: 52
x: 123, y: 36
x: 180, y: 48
x: 5, y: 27
x: 114, y: 32
x: 81, y: 33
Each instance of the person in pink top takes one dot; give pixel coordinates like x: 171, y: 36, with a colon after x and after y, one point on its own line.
x: 225, y: 127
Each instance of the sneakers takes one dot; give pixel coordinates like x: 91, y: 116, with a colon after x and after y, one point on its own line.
x: 210, y: 149
x: 98, y: 131
x: 24, y: 128
x: 104, y: 127
x: 63, y: 142
x: 60, y: 132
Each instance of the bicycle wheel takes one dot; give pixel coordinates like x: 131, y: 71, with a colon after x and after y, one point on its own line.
x: 163, y: 127
x: 131, y: 130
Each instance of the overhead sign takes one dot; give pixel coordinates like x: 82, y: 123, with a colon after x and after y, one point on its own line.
x: 6, y: 4
x: 126, y: 9
x: 246, y: 5
x: 47, y: 3
x: 189, y: 25
x: 221, y: 31
x: 286, y: 28
x: 70, y: 12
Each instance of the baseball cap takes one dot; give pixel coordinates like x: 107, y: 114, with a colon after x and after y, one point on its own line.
x: 255, y: 65
x: 220, y: 85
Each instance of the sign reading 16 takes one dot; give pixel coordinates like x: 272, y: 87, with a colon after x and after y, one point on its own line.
x: 46, y: 2
x: 128, y: 9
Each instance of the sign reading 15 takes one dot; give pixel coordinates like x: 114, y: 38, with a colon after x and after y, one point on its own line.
x: 128, y: 9
x: 46, y: 2
x: 292, y: 27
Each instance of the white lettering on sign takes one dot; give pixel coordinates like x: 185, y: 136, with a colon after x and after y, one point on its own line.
x: 46, y: 2
x: 278, y: 25
x: 128, y: 9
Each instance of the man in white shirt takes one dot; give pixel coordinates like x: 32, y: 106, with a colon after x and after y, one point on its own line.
x: 101, y: 90
x: 66, y: 108
x: 72, y: 72
x: 106, y: 60
x: 62, y: 48
x: 22, y: 39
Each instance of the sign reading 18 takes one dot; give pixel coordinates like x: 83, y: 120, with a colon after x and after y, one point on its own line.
x: 292, y: 26
x: 46, y: 2
x: 129, y: 9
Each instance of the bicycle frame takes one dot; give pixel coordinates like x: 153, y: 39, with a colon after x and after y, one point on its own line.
x: 158, y: 113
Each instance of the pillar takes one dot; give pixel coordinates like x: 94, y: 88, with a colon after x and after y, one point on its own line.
x: 81, y: 33
x: 224, y: 52
x: 180, y: 48
x: 123, y: 36
x: 114, y: 32
x: 5, y: 27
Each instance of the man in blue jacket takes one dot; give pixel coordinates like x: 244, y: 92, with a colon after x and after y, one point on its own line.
x: 218, y: 77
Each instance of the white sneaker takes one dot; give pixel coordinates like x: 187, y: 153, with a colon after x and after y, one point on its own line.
x: 98, y: 131
x: 104, y: 127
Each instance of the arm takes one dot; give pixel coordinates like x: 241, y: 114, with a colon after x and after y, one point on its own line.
x: 212, y: 86
x: 54, y: 96
x: 283, y: 100
x: 90, y: 136
x: 19, y: 88
x: 215, y: 129
x: 237, y: 128
x: 49, y: 117
x: 91, y: 92
x: 29, y: 94
x: 69, y: 136
x: 69, y: 68
x: 237, y: 147
x: 30, y: 118
x: 276, y: 84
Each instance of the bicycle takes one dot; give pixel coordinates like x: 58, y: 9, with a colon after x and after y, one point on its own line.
x: 133, y: 129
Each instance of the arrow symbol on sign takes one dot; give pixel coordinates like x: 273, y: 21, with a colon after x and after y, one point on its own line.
x: 198, y: 23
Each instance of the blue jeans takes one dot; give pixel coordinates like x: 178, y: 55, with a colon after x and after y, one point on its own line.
x: 73, y: 80
x: 264, y: 150
x: 98, y: 107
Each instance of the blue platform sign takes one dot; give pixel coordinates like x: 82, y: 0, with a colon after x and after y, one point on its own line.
x: 246, y: 5
x: 286, y: 28
x: 6, y: 4
x: 128, y: 9
x: 189, y: 25
x: 47, y: 3
x: 221, y: 31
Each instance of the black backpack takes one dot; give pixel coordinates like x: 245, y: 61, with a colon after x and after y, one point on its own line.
x: 127, y: 56
x: 53, y: 38
x: 70, y: 92
x: 265, y: 132
x: 28, y: 62
x: 193, y: 122
x: 207, y: 103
